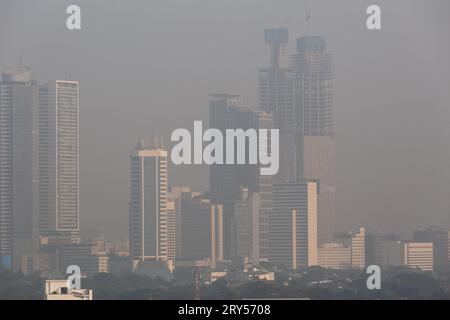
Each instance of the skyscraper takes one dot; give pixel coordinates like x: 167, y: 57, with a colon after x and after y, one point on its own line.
x: 227, y: 111
x: 18, y: 166
x: 59, y: 158
x: 293, y: 224
x: 314, y: 75
x: 148, y: 205
x: 277, y: 96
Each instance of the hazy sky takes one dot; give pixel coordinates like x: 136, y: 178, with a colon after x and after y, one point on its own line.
x: 151, y: 64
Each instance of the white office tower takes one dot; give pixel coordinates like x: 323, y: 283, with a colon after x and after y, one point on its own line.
x: 293, y: 225
x: 148, y: 205
x: 59, y: 159
x: 18, y: 166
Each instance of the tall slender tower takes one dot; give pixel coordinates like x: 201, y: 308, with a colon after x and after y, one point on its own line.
x: 18, y: 166
x: 314, y: 75
x: 149, y: 228
x: 59, y: 159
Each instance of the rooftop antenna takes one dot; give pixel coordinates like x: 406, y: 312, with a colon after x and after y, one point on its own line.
x: 307, y: 16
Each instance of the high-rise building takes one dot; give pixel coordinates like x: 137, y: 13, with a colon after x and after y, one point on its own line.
x: 59, y: 158
x: 418, y: 255
x: 245, y: 228
x: 228, y: 111
x: 314, y: 114
x: 277, y: 96
x: 440, y: 240
x: 293, y: 225
x: 19, y: 100
x: 200, y: 233
x: 148, y: 205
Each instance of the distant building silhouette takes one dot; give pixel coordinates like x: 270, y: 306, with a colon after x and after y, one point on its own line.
x: 228, y: 111
x: 19, y: 107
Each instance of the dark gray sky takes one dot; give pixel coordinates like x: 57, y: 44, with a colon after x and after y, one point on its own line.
x: 151, y: 64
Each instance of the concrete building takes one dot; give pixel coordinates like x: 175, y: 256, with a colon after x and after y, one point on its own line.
x: 334, y: 256
x: 293, y: 225
x: 58, y: 290
x: 418, y: 255
x: 148, y: 205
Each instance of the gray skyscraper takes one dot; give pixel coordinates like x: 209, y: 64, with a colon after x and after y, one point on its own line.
x: 18, y: 166
x: 277, y: 96
x: 59, y: 158
x: 227, y: 111
x: 314, y: 75
x: 148, y: 205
